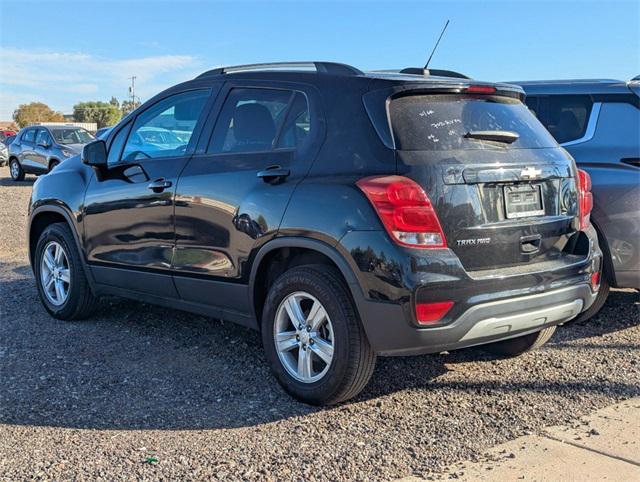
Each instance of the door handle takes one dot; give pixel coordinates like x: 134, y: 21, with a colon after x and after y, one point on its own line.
x: 159, y: 185
x: 273, y: 174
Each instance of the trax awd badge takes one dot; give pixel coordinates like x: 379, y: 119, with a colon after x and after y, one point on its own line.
x: 473, y: 241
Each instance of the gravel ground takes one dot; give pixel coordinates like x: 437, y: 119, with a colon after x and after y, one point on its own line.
x: 140, y: 392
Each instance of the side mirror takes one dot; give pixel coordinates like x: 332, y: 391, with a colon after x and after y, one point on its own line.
x: 95, y: 153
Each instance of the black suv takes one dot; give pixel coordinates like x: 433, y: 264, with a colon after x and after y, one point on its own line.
x: 343, y: 214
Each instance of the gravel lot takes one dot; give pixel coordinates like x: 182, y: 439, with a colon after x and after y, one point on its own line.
x: 149, y: 393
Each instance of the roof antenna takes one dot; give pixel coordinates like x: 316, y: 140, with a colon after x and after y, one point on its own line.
x: 425, y: 71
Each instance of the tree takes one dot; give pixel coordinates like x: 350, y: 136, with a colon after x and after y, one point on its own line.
x: 102, y: 113
x: 27, y: 114
x: 129, y: 106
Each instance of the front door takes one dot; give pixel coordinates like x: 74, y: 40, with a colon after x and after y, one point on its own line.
x: 41, y: 151
x: 233, y: 193
x: 128, y: 219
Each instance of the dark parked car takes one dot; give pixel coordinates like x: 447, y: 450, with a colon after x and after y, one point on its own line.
x: 38, y: 149
x: 103, y: 132
x: 343, y: 214
x: 598, y: 122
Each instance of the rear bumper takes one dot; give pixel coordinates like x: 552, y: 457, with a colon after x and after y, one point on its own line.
x: 488, y: 306
x: 482, y: 323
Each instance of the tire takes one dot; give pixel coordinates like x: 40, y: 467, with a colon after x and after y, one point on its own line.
x: 352, y: 358
x: 53, y: 164
x: 517, y: 346
x: 79, y: 301
x: 17, y: 173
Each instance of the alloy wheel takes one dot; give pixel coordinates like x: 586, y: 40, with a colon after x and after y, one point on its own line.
x: 15, y: 169
x: 55, y: 276
x: 303, y: 336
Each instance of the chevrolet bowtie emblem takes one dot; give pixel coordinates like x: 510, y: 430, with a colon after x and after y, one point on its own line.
x: 531, y: 172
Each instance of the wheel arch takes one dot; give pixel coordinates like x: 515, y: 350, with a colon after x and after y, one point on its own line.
x: 283, y: 253
x: 44, y: 216
x: 609, y: 270
x: 51, y: 161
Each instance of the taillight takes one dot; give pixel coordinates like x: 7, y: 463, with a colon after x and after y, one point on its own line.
x: 405, y: 211
x: 480, y: 89
x: 428, y: 313
x: 585, y: 198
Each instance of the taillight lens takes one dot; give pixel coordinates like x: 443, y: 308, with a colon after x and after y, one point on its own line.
x: 585, y: 198
x: 405, y: 211
x: 429, y: 313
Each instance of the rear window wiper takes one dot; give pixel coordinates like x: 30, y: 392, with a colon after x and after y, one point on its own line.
x: 507, y: 137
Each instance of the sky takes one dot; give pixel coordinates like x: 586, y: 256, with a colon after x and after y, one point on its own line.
x: 61, y: 53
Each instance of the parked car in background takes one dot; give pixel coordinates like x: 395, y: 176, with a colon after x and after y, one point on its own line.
x: 4, y: 154
x: 598, y: 123
x: 343, y: 214
x: 102, y: 132
x: 38, y: 149
x: 6, y: 133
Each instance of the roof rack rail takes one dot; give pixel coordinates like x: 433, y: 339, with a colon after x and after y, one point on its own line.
x: 436, y: 72
x: 320, y: 67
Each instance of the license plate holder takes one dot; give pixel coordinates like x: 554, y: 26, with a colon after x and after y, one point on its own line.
x: 523, y: 201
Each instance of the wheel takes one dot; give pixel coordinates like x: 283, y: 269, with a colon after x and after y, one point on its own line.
x: 518, y: 346
x: 17, y: 173
x: 53, y: 164
x: 62, y: 284
x: 313, y: 339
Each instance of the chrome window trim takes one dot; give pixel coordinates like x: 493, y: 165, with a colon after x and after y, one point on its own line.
x: 591, y: 126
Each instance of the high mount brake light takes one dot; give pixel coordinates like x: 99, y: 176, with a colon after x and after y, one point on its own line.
x: 405, y: 211
x: 585, y: 199
x: 480, y: 89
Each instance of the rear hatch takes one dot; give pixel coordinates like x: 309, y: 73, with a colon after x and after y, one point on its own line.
x: 503, y: 189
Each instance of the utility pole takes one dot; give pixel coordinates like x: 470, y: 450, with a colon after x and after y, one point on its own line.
x: 132, y: 90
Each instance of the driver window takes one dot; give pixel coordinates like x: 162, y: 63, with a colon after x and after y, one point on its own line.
x: 165, y: 129
x: 43, y: 138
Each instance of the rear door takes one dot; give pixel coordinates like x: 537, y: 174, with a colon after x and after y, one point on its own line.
x: 232, y: 195
x: 503, y: 201
x: 129, y: 207
x: 28, y: 151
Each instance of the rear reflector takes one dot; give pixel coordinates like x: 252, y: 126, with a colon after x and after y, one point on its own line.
x: 428, y: 313
x: 480, y: 89
x: 595, y: 281
x: 405, y: 211
x: 585, y: 199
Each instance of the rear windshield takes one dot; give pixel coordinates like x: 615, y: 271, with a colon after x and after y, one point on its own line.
x: 440, y: 122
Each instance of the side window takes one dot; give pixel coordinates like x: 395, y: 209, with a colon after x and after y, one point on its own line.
x: 117, y: 144
x: 566, y: 116
x: 165, y: 129
x: 43, y: 138
x: 29, y: 136
x: 296, y: 132
x: 249, y: 120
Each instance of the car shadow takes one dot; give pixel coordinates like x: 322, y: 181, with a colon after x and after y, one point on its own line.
x: 7, y: 181
x: 137, y: 366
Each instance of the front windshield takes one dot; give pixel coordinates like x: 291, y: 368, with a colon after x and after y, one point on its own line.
x: 73, y: 135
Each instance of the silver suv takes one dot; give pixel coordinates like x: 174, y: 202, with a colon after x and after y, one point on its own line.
x: 598, y: 122
x: 38, y: 149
